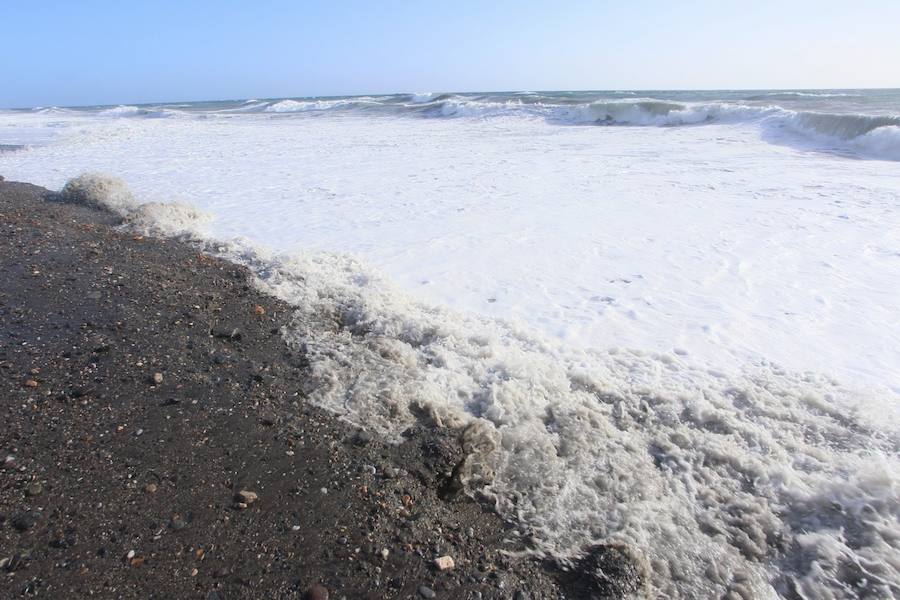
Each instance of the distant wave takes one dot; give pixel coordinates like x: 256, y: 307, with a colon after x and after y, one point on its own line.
x: 800, y: 95
x: 423, y: 97
x: 289, y: 106
x: 135, y: 111
x: 868, y: 136
x: 297, y: 106
x: 50, y: 110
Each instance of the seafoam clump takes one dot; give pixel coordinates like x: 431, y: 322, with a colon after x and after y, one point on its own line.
x: 100, y: 191
x: 111, y: 194
x: 166, y: 218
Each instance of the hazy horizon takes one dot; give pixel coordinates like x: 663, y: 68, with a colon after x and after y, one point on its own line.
x: 449, y: 92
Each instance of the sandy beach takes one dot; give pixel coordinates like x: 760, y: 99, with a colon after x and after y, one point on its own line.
x: 158, y: 444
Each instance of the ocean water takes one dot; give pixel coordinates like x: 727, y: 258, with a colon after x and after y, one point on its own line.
x: 666, y: 320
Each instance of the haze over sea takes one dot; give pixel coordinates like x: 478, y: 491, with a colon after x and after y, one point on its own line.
x: 670, y: 318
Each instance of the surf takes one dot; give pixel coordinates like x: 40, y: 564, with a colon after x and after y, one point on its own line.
x: 755, y: 484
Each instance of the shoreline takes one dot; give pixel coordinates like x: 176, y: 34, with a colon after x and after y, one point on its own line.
x: 147, y: 385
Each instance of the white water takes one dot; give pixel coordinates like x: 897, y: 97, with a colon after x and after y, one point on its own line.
x: 712, y: 252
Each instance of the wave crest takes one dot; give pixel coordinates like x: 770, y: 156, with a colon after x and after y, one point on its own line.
x: 135, y: 111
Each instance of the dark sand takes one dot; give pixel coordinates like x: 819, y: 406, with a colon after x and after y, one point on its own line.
x: 102, y: 461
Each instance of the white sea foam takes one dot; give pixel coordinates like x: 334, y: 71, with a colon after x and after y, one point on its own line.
x: 100, y: 191
x: 881, y: 142
x: 746, y: 485
x: 295, y: 106
x: 111, y: 194
x: 872, y: 136
x: 288, y: 106
x: 652, y: 237
x: 420, y: 97
x: 50, y: 110
x: 135, y: 111
x: 785, y: 95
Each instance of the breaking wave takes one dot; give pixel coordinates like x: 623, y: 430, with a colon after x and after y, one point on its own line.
x: 758, y: 484
x: 50, y: 110
x: 864, y: 135
x: 289, y: 106
x: 875, y: 136
x: 423, y: 97
x: 869, y: 135
x: 770, y: 96
x: 135, y: 111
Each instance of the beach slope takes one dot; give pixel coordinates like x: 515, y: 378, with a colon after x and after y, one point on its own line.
x: 157, y: 442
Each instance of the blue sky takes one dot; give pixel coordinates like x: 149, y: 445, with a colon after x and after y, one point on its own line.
x: 92, y: 52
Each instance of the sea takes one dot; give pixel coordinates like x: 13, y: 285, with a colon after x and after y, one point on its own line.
x: 665, y: 321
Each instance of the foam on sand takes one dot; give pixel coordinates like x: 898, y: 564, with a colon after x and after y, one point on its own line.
x: 754, y: 484
x: 111, y: 194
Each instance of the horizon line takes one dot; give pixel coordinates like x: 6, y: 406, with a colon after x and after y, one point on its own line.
x: 480, y: 92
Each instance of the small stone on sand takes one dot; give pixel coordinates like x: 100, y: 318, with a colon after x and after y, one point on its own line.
x: 245, y: 498
x: 316, y: 592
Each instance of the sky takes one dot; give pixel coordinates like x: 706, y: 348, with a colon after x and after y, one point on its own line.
x: 68, y: 53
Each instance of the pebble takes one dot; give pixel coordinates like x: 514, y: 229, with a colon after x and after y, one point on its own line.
x: 227, y: 333
x: 426, y: 592
x: 362, y: 437
x: 521, y: 595
x: 25, y: 521
x: 34, y: 489
x: 444, y: 563
x: 9, y: 462
x: 157, y: 378
x: 222, y: 573
x: 316, y: 592
x: 245, y: 498
x: 30, y: 383
x: 390, y: 472
x: 151, y: 488
x: 12, y: 563
x: 385, y: 553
